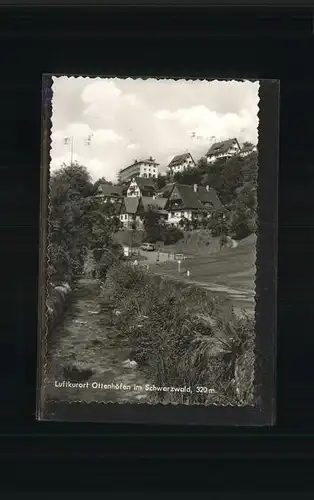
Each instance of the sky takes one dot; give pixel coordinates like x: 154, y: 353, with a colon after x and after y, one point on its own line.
x: 130, y: 119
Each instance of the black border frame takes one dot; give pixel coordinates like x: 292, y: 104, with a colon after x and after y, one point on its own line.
x: 266, y: 290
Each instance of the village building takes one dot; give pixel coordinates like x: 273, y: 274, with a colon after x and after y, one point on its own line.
x: 110, y: 193
x: 223, y: 149
x: 180, y: 162
x: 140, y: 168
x: 157, y: 203
x: 133, y: 210
x: 191, y: 202
x: 247, y: 150
x: 129, y: 213
x: 139, y: 187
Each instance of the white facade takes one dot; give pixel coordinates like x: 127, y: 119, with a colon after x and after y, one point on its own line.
x: 148, y: 170
x: 133, y: 190
x: 128, y: 219
x: 180, y: 167
x: 243, y: 154
x: 232, y: 151
x: 140, y: 169
x: 174, y: 217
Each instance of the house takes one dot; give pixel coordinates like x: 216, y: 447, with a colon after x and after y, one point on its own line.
x: 191, y: 202
x: 165, y: 191
x: 110, y: 193
x: 180, y: 162
x: 140, y: 186
x: 140, y: 168
x: 247, y: 150
x: 223, y: 149
x: 129, y: 212
x: 158, y: 203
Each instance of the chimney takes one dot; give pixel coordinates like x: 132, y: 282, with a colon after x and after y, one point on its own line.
x: 207, y: 187
x: 195, y: 188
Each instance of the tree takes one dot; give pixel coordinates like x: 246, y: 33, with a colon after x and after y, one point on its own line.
x: 161, y: 181
x: 153, y: 225
x: 248, y: 144
x: 191, y: 175
x: 100, y: 181
x: 69, y: 187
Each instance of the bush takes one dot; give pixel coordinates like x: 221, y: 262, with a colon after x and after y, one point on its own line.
x: 57, y: 301
x: 183, y: 336
x: 172, y: 235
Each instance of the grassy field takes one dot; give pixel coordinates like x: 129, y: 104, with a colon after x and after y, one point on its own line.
x: 234, y: 268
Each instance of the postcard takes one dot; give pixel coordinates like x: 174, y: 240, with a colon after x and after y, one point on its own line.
x: 158, y: 249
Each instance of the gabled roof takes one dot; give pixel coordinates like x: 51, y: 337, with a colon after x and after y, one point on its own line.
x: 109, y: 190
x: 166, y: 190
x: 148, y: 160
x: 159, y: 203
x: 178, y: 159
x: 130, y: 205
x: 145, y: 183
x: 188, y: 196
x: 246, y: 149
x: 221, y: 147
x: 209, y: 196
x: 195, y: 200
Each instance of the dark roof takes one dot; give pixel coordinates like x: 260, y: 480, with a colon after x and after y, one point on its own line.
x: 130, y: 205
x: 248, y: 148
x: 177, y: 160
x: 156, y: 202
x: 148, y: 160
x: 166, y: 190
x: 194, y: 200
x: 109, y: 190
x: 188, y: 196
x: 221, y: 147
x: 209, y: 196
x: 145, y: 183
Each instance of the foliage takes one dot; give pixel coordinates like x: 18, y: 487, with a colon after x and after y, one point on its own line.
x: 153, y: 225
x: 69, y: 187
x: 171, y: 235
x: 100, y: 181
x: 157, y: 230
x: 191, y: 175
x: 161, y: 181
x: 182, y: 336
x: 79, y: 223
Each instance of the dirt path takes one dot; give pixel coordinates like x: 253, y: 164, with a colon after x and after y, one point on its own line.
x: 82, y: 353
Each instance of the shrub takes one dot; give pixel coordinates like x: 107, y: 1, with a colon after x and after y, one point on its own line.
x: 57, y: 301
x: 183, y: 336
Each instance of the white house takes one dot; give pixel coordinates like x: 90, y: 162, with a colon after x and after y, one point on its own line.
x: 141, y: 187
x: 247, y: 150
x: 109, y: 193
x: 180, y: 162
x: 223, y: 149
x: 191, y: 202
x: 140, y: 168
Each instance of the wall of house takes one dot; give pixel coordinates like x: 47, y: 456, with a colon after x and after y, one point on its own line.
x: 174, y: 217
x: 128, y: 220
x: 188, y: 162
x: 133, y: 190
x: 148, y: 170
x: 133, y: 171
x: 231, y: 152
